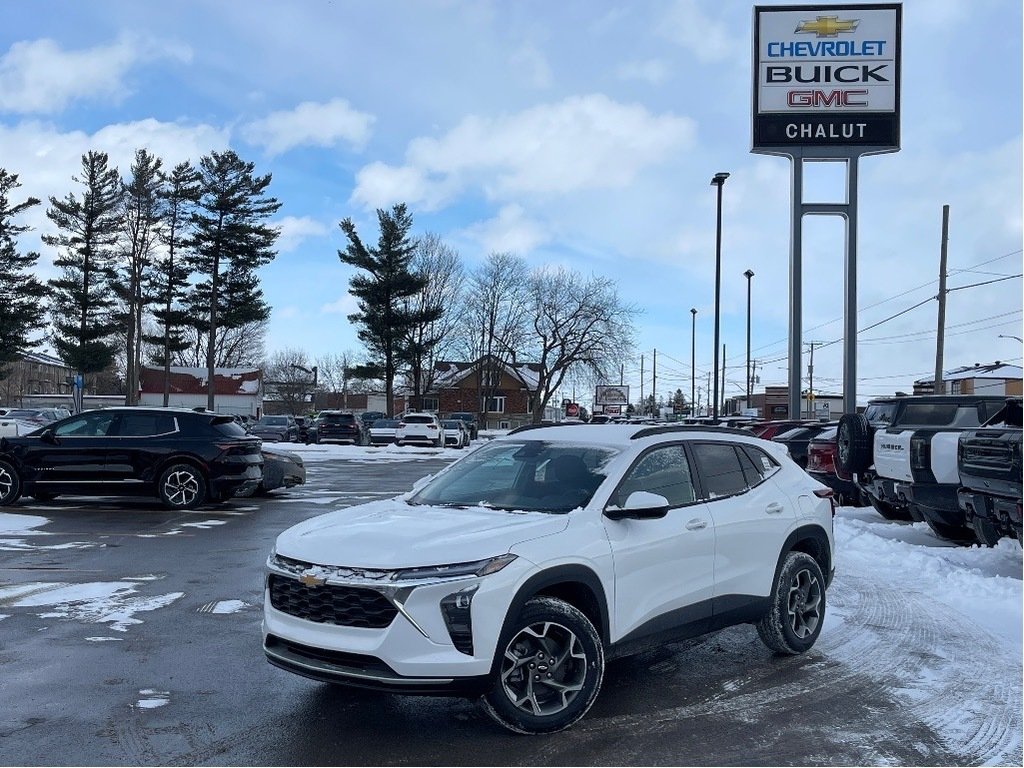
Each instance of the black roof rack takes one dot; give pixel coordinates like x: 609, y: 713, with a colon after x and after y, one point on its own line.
x: 669, y: 428
x: 527, y: 427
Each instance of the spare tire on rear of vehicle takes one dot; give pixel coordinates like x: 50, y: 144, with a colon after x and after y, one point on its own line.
x: 853, y: 443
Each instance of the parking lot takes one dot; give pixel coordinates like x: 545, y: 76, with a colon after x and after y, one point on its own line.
x: 131, y: 635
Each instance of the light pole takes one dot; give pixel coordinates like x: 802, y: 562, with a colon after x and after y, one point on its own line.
x: 748, y: 274
x: 693, y: 362
x: 718, y: 180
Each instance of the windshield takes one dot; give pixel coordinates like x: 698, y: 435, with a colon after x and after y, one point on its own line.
x: 337, y: 418
x: 527, y: 475
x: 879, y: 414
x: 274, y: 421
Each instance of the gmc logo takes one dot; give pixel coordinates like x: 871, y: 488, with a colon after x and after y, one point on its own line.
x: 816, y: 98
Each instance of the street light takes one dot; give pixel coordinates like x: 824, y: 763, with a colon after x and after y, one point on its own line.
x: 718, y: 180
x: 748, y: 274
x: 693, y: 363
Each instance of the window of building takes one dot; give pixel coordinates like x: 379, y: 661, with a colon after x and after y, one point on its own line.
x: 496, y: 404
x: 430, y: 404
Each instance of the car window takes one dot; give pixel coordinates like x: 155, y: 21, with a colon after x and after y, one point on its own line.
x: 720, y: 469
x: 337, y: 418
x: 880, y: 414
x: 86, y: 425
x: 664, y: 471
x: 384, y: 424
x: 274, y: 421
x: 418, y: 419
x: 145, y: 424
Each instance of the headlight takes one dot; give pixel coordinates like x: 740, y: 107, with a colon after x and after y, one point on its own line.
x: 477, y: 568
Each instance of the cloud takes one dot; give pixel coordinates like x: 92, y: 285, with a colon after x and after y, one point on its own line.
x: 653, y: 71
x: 293, y: 230
x: 510, y: 230
x: 708, y: 39
x: 39, y: 77
x: 310, y: 123
x: 582, y: 142
x: 533, y: 64
x: 346, y: 304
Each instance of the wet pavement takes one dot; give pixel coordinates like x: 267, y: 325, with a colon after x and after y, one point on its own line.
x: 158, y: 660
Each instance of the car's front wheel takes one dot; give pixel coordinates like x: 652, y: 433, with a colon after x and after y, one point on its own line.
x: 796, y: 608
x: 10, y: 484
x: 182, y: 486
x: 549, y: 670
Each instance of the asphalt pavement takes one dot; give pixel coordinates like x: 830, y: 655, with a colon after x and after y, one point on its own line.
x: 158, y: 660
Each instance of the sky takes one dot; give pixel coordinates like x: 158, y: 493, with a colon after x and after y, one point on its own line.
x: 581, y: 133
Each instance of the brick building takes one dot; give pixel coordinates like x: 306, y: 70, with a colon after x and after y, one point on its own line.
x: 34, y: 374
x: 511, y: 389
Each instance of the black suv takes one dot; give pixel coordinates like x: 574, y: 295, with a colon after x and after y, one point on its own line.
x: 338, y: 427
x: 183, y: 457
x: 470, y: 420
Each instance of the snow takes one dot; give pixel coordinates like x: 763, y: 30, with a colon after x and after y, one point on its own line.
x: 316, y: 452
x: 21, y: 525
x: 153, y: 699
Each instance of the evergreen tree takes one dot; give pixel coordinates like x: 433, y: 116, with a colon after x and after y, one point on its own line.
x: 21, y: 293
x: 81, y: 299
x: 142, y: 222
x: 232, y: 239
x: 385, y: 316
x: 168, y: 281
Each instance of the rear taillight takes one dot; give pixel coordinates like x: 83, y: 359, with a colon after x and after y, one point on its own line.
x: 827, y: 493
x: 431, y: 426
x: 920, y: 453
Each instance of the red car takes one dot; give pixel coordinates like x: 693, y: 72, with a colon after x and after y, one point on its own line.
x: 822, y: 466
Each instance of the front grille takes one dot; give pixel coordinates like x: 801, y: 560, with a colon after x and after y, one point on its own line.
x: 328, y: 604
x: 355, y: 661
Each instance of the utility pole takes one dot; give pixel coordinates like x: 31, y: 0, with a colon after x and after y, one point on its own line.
x: 939, y: 387
x: 810, y: 377
x: 709, y: 393
x: 622, y: 372
x: 654, y: 383
x: 641, y: 385
x: 722, y: 408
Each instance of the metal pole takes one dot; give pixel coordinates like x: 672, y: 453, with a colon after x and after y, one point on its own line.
x: 654, y: 383
x: 796, y: 286
x: 641, y: 385
x: 941, y: 337
x: 718, y: 181
x: 693, y: 362
x: 723, y: 378
x: 748, y: 274
x: 850, y: 305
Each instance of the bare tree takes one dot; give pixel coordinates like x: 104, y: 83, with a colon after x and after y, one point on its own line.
x: 494, y: 322
x: 286, y: 374
x: 579, y: 324
x: 430, y: 339
x: 234, y: 347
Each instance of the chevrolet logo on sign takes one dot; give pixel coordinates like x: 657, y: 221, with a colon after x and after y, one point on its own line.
x: 312, y: 580
x: 827, y: 26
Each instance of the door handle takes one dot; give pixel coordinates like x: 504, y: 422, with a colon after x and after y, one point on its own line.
x: 774, y: 508
x: 696, y: 524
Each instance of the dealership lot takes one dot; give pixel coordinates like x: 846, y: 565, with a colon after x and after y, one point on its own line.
x: 131, y: 635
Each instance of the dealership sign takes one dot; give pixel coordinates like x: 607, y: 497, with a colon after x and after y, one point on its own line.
x: 827, y: 76
x: 607, y: 394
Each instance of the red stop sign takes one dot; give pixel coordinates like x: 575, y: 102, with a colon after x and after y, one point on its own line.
x: 572, y: 409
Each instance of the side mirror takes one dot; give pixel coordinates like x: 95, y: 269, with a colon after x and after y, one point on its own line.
x: 48, y: 436
x: 641, y: 505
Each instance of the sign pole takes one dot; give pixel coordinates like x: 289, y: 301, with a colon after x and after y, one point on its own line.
x: 796, y: 228
x: 850, y: 284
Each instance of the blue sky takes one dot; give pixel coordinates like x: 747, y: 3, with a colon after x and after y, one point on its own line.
x: 575, y: 133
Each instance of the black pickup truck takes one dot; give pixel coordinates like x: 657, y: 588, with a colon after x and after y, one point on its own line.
x: 989, y: 459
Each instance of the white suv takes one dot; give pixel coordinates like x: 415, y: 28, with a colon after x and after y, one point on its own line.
x: 515, y: 573
x: 422, y: 428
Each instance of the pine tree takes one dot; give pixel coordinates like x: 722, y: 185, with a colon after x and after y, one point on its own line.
x: 81, y: 299
x: 168, y: 280
x: 21, y: 295
x: 142, y: 222
x: 385, y: 316
x: 231, y: 238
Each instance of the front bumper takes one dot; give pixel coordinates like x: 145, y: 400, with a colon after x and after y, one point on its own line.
x: 414, y: 653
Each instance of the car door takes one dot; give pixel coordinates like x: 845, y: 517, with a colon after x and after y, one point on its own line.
x: 664, y: 568
x: 73, y: 454
x: 751, y: 516
x: 139, y: 442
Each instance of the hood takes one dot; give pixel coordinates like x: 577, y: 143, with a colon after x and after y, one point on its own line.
x: 267, y: 428
x: 392, y: 534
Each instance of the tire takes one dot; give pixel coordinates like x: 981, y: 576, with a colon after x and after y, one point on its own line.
x: 10, y: 484
x: 44, y: 496
x: 985, y: 532
x: 556, y: 640
x: 853, y: 443
x: 958, y: 534
x: 888, y: 511
x: 797, y: 606
x: 182, y: 486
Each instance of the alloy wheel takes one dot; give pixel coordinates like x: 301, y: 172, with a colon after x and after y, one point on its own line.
x: 543, y: 669
x: 804, y: 604
x: 6, y: 483
x: 181, y: 488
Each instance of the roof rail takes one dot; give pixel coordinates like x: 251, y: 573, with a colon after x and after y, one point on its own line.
x: 669, y: 428
x: 527, y: 427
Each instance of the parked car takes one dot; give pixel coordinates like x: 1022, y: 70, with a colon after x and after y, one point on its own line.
x: 12, y: 427
x: 615, y: 538
x: 307, y: 429
x: 798, y: 440
x: 281, y: 469
x: 369, y: 417
x: 904, y: 453
x: 421, y: 428
x: 470, y: 420
x: 456, y: 433
x: 600, y: 418
x: 767, y: 430
x: 339, y: 427
x: 990, y: 468
x: 38, y: 415
x: 821, y: 465
x: 183, y: 457
x: 282, y: 429
x: 382, y: 431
